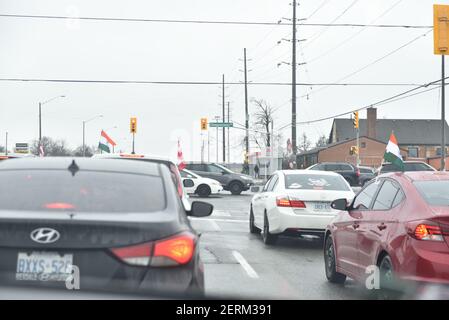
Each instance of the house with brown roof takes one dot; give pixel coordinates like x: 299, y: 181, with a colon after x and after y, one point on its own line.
x: 417, y: 139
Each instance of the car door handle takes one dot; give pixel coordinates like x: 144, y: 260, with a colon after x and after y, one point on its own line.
x: 382, y: 226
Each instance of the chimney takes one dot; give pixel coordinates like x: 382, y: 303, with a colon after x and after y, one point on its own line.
x: 371, y: 123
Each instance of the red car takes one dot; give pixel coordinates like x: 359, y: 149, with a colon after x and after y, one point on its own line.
x: 399, y: 223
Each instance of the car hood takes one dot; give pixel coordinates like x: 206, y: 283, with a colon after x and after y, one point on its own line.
x: 208, y: 181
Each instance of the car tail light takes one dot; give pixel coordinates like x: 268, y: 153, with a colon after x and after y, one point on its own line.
x: 174, y: 251
x: 139, y: 255
x: 427, y: 232
x: 288, y: 202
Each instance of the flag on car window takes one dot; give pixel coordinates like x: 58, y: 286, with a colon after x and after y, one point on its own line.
x: 393, y: 154
x: 105, y: 141
x: 181, y: 163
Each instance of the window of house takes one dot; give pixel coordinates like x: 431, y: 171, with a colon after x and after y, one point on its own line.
x: 413, y: 152
x: 363, y: 145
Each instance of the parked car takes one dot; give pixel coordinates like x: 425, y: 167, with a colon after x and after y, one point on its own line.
x: 296, y: 203
x: 408, y: 166
x: 120, y: 223
x: 236, y: 183
x: 399, y: 223
x: 203, y: 187
x: 176, y: 176
x: 350, y: 172
x: 366, y: 174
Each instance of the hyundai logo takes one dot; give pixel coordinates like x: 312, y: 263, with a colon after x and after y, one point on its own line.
x: 45, y: 235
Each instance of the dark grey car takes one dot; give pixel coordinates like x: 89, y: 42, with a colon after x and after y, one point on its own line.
x: 236, y: 183
x: 117, y: 225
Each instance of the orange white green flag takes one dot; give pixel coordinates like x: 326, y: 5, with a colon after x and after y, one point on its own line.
x: 393, y: 153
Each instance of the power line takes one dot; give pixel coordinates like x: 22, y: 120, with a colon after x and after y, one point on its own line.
x: 222, y: 22
x: 370, y: 64
x: 324, y: 84
x: 318, y: 9
x: 397, y: 97
x: 326, y: 53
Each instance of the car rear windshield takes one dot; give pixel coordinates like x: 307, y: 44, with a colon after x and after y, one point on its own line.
x: 85, y: 191
x: 315, y: 182
x: 432, y: 192
x: 407, y: 167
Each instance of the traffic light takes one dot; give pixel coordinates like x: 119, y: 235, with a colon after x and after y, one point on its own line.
x: 354, y: 150
x: 356, y: 120
x: 441, y: 29
x: 204, y: 124
x: 133, y: 125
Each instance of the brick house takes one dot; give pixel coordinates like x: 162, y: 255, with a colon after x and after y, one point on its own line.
x: 418, y: 140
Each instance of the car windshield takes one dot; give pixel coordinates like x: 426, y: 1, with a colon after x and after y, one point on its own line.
x: 223, y: 168
x: 186, y: 173
x: 89, y: 192
x: 431, y: 192
x: 315, y: 182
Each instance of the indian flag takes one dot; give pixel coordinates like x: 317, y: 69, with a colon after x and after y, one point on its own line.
x: 393, y: 154
x: 105, y: 141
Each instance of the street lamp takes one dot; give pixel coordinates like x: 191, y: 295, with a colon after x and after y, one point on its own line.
x: 40, y: 114
x: 84, y: 131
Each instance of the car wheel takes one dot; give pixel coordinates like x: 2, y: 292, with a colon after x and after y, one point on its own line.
x: 203, y: 191
x: 252, y: 228
x: 267, y: 237
x: 330, y: 263
x: 388, y: 286
x: 236, y: 188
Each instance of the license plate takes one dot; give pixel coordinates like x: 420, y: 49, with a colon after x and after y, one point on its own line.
x: 43, y: 266
x: 322, y: 207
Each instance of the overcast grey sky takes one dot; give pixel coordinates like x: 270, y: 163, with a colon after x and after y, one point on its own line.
x: 31, y: 48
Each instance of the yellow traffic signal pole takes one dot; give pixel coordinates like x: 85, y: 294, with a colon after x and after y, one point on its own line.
x: 441, y: 47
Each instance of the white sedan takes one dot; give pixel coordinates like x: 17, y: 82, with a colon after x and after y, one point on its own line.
x: 297, y: 203
x: 203, y: 187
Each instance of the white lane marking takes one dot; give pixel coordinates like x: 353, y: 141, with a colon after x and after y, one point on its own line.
x: 217, y: 220
x: 214, y: 225
x: 245, y: 265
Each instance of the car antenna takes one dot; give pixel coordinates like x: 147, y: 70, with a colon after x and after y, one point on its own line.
x: 73, y: 168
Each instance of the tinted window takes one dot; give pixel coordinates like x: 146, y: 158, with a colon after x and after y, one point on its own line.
x: 345, y: 167
x: 317, y: 167
x: 315, y: 182
x: 434, y: 192
x: 196, y: 167
x: 386, y: 196
x: 332, y: 167
x: 214, y: 169
x: 266, y: 186
x: 57, y: 190
x: 364, y: 198
x: 366, y: 170
x: 186, y: 175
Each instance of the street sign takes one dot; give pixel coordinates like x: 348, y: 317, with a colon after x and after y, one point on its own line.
x: 221, y: 125
x: 22, y: 148
x: 441, y: 29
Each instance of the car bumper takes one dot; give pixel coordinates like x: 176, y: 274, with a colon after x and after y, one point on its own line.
x: 216, y: 189
x: 286, y: 220
x: 426, y: 263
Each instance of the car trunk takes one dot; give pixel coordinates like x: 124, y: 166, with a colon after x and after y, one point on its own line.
x: 85, y: 242
x: 315, y: 199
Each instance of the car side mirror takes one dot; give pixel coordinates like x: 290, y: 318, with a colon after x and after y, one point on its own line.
x: 201, y: 209
x: 188, y: 183
x: 340, y: 204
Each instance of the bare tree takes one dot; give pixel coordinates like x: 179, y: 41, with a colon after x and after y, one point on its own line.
x: 322, y: 141
x: 53, y: 148
x: 304, y: 143
x: 2, y: 149
x: 90, y: 151
x: 263, y: 122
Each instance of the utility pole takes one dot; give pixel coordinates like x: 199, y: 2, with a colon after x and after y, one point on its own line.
x: 229, y: 141
x: 246, y: 104
x: 294, y: 142
x: 6, y: 144
x: 224, y: 119
x: 40, y: 124
x: 217, y: 118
